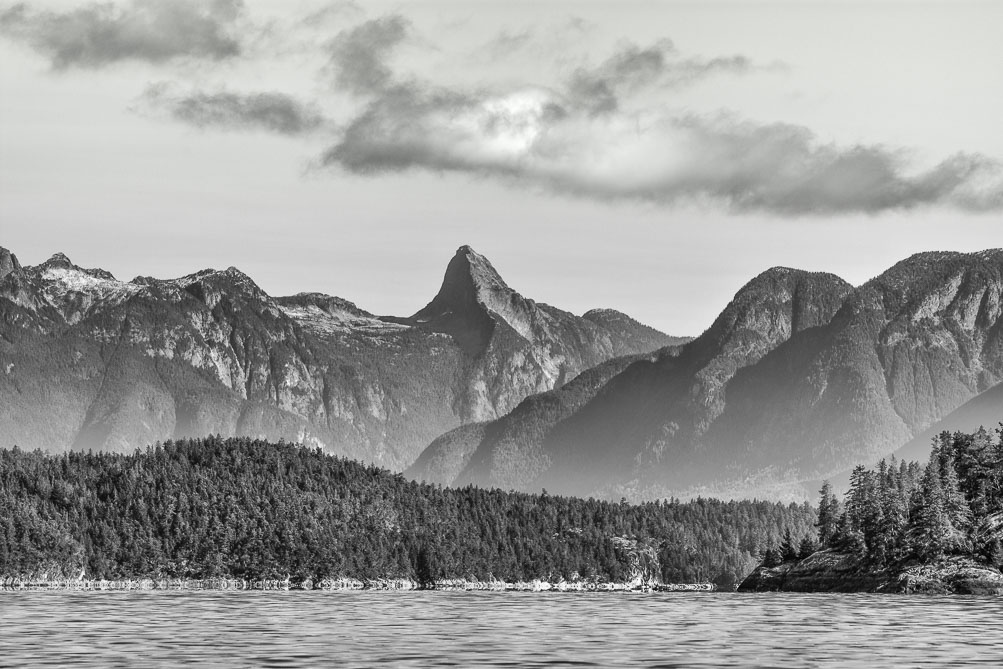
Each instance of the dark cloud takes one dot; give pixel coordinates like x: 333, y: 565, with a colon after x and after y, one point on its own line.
x: 540, y: 138
x: 273, y: 112
x: 634, y: 68
x: 359, y: 55
x: 98, y: 34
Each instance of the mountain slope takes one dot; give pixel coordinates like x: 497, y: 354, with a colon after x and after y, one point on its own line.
x: 515, y: 346
x: 89, y: 361
x: 799, y: 378
x: 507, y: 453
x: 984, y: 410
x: 657, y: 411
x: 906, y: 349
x: 856, y: 379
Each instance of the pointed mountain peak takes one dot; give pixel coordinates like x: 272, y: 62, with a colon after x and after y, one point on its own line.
x: 471, y: 291
x: 8, y: 262
x: 58, y: 260
x: 470, y: 284
x: 468, y: 265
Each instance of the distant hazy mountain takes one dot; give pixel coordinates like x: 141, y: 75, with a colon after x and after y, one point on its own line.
x: 985, y: 410
x: 508, y: 452
x: 88, y: 361
x: 799, y: 377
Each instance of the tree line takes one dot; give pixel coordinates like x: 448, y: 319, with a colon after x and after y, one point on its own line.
x: 898, y: 511
x: 245, y: 508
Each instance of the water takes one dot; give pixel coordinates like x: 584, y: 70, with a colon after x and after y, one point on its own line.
x: 466, y: 629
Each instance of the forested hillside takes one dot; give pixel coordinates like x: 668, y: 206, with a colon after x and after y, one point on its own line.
x: 251, y: 509
x: 906, y: 527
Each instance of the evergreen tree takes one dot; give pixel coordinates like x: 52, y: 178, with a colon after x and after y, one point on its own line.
x: 788, y: 549
x: 806, y: 548
x: 828, y: 514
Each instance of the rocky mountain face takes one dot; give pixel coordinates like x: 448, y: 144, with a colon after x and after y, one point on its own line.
x: 89, y: 361
x: 518, y: 347
x: 801, y: 376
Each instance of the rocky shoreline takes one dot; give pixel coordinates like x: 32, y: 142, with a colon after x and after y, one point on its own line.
x: 832, y: 571
x: 229, y: 584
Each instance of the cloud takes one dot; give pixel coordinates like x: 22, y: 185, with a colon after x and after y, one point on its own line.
x: 269, y: 111
x: 634, y: 68
x: 505, y: 43
x: 359, y: 55
x: 543, y: 138
x: 155, y: 31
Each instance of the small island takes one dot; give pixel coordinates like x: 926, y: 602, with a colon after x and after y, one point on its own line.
x: 904, y: 528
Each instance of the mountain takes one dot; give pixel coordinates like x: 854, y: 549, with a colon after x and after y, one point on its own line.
x: 984, y: 410
x: 88, y: 361
x: 905, y: 350
x: 517, y: 347
x: 801, y: 376
x: 508, y: 453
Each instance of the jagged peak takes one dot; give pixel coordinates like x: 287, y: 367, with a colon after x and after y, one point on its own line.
x: 469, y: 264
x: 211, y: 273
x: 58, y: 260
x: 62, y: 262
x: 472, y: 296
x: 470, y: 282
x: 8, y: 262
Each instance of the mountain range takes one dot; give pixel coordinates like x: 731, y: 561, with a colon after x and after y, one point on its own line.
x: 91, y: 362
x: 801, y: 376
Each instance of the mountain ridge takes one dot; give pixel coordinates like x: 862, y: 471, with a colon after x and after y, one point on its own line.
x: 799, y: 376
x: 124, y: 363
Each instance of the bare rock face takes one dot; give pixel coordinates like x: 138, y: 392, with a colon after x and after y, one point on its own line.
x: 905, y: 350
x: 89, y: 361
x: 515, y: 346
x: 8, y: 262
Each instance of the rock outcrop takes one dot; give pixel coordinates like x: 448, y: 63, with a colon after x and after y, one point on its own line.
x: 832, y: 571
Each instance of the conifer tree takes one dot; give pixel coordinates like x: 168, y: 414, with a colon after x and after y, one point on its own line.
x: 788, y: 549
x: 828, y: 514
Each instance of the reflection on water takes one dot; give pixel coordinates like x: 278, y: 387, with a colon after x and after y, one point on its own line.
x: 288, y: 629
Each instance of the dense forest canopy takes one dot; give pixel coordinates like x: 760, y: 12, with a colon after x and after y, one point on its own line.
x: 902, y: 511
x: 251, y: 509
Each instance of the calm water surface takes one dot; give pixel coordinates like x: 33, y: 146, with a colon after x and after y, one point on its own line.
x: 464, y: 629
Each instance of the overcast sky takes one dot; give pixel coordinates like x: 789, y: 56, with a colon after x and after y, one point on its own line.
x: 647, y: 156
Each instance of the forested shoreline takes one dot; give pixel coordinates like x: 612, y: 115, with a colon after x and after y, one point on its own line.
x: 250, y: 510
x: 905, y: 526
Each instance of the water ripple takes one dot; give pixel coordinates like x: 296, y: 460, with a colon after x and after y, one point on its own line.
x: 449, y: 629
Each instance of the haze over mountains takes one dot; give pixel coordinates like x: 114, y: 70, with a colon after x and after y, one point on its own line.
x: 800, y: 377
x: 91, y: 362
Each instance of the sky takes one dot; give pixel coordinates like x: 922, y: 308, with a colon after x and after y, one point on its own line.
x: 646, y: 156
